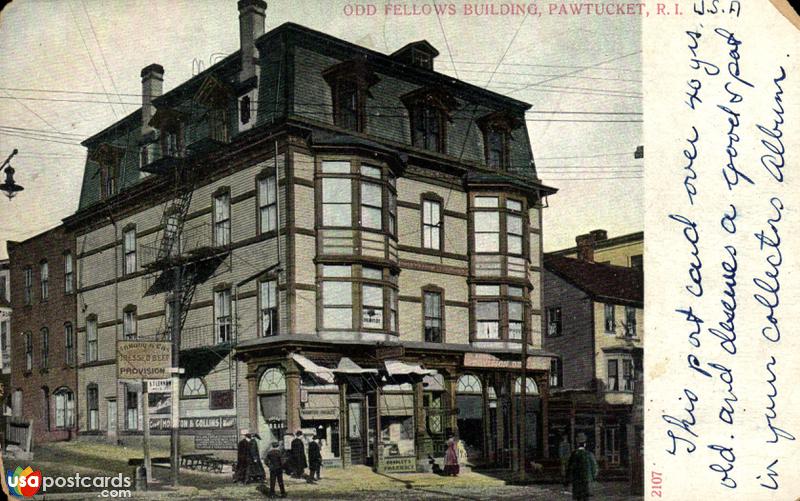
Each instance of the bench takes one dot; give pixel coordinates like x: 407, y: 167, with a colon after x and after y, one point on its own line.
x: 160, y: 462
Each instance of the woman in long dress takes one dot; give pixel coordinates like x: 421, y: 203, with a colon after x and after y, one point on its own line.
x: 451, y: 459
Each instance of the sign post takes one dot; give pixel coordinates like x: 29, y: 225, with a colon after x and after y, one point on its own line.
x: 145, y: 361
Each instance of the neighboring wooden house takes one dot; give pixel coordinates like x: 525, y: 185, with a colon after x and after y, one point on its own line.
x: 595, y: 324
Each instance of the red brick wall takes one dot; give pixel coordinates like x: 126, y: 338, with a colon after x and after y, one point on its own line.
x: 52, y: 313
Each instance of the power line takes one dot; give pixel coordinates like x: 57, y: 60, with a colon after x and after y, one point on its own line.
x: 29, y: 110
x: 100, y: 49
x: 40, y: 130
x: 58, y: 91
x: 91, y: 60
x: 586, y: 156
x: 13, y: 134
x: 518, y: 73
x: 578, y: 70
x: 591, y: 67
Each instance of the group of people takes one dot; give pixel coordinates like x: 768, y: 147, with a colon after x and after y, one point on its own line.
x: 250, y: 469
x: 578, y: 467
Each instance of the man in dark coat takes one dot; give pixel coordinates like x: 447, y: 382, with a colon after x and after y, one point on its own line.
x: 297, y: 456
x: 242, y: 454
x: 314, y: 459
x: 275, y: 465
x: 255, y: 469
x: 581, y: 470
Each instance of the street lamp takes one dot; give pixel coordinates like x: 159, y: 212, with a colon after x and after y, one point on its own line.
x: 9, y: 187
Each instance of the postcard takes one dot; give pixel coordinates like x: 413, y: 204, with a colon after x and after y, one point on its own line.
x: 379, y: 249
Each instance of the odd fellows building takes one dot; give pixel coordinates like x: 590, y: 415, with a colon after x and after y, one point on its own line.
x: 594, y: 323
x: 43, y: 345
x: 344, y: 242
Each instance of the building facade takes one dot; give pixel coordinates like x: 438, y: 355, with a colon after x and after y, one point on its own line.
x: 348, y: 243
x: 5, y: 334
x: 43, y: 342
x: 595, y: 324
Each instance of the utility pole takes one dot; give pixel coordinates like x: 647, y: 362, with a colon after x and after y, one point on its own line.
x: 175, y: 434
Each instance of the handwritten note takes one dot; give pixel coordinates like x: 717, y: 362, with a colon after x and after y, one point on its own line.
x: 722, y: 115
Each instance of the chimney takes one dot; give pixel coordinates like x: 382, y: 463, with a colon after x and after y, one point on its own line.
x: 598, y: 235
x: 585, y: 247
x: 586, y: 244
x: 252, y: 14
x: 152, y: 86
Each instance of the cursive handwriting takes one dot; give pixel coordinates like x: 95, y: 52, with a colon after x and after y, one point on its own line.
x: 693, y: 237
x: 685, y: 424
x: 770, y: 285
x: 772, y: 414
x: 773, y: 161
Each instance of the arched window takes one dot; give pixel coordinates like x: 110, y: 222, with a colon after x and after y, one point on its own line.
x: 65, y: 408
x: 194, y: 387
x: 530, y: 386
x: 468, y: 384
x: 272, y: 380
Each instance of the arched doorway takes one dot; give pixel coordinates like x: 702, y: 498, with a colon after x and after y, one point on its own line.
x: 531, y: 414
x: 272, y: 404
x: 469, y: 401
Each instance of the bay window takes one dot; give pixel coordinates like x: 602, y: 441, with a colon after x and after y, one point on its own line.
x: 627, y: 374
x: 515, y: 319
x: 371, y: 205
x: 364, y: 188
x: 613, y: 375
x: 337, y: 297
x: 487, y: 314
x: 499, y: 312
x: 336, y: 202
x: 491, y: 220
x: 375, y: 298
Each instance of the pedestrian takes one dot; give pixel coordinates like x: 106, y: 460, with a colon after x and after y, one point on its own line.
x: 242, y: 453
x: 461, y: 450
x: 275, y: 465
x: 582, y: 470
x: 564, y: 452
x: 451, y: 459
x: 255, y: 469
x: 314, y: 459
x: 297, y: 456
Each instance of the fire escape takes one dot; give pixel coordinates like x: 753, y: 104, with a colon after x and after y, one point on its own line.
x: 185, y: 254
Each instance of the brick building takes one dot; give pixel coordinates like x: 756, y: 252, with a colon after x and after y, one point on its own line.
x: 43, y: 338
x: 595, y: 324
x: 358, y: 243
x: 5, y: 333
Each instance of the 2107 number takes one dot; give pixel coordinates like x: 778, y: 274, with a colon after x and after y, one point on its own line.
x: 656, y: 481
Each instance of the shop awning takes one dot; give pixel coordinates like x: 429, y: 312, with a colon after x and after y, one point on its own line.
x: 347, y: 366
x: 398, y: 368
x: 310, y: 367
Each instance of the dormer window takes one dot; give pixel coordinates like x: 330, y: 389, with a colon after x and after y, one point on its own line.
x: 419, y: 53
x: 497, y: 129
x: 350, y: 82
x: 429, y: 112
x: 108, y: 158
x: 169, y: 124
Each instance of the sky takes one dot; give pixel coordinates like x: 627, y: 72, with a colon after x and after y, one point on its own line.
x: 70, y: 68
